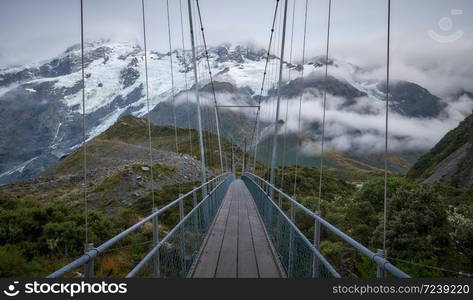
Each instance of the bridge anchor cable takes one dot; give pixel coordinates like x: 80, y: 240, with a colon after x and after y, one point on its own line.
x: 276, y: 123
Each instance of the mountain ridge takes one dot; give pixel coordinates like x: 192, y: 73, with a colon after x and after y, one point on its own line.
x: 450, y: 160
x: 41, y: 103
x: 118, y: 166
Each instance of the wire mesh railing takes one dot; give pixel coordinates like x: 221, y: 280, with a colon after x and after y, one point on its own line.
x: 300, y: 257
x: 296, y: 253
x: 173, y: 255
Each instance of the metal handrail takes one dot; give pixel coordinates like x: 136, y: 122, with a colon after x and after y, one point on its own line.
x: 317, y: 253
x: 379, y: 260
x: 153, y: 251
x: 91, y: 254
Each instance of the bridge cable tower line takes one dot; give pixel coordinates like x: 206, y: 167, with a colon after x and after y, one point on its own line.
x: 322, y: 149
x: 150, y: 145
x: 276, y: 123
x: 217, y: 117
x: 185, y: 79
x: 256, y: 126
x: 87, y: 246
x: 196, y: 90
x: 386, y: 137
x: 299, y: 131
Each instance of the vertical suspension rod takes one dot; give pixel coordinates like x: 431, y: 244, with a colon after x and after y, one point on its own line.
x: 256, y: 128
x: 300, y: 98
x: 387, y: 131
x: 86, y: 214
x: 217, y: 118
x: 172, y: 76
x: 185, y: 77
x: 324, y: 105
x: 150, y: 146
x: 278, y: 103
x: 196, y: 89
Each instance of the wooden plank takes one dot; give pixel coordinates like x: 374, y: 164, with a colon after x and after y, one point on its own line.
x: 227, y: 262
x: 247, y: 267
x: 237, y: 245
x: 207, y: 264
x: 267, y: 266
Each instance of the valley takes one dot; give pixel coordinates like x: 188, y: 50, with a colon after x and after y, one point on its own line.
x: 41, y: 107
x: 42, y: 155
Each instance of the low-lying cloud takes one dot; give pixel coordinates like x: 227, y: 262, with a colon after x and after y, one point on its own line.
x: 355, y: 128
x: 351, y: 129
x: 442, y: 68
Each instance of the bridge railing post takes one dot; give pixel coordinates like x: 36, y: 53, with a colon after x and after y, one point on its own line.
x: 156, y: 262
x: 380, y: 271
x: 278, y: 219
x: 210, y: 205
x: 317, y: 231
x: 182, y: 238
x: 315, y: 264
x: 205, y: 211
x: 204, y: 191
x: 215, y: 196
x: 270, y: 209
x: 89, y: 266
x: 196, y: 215
x: 291, y: 243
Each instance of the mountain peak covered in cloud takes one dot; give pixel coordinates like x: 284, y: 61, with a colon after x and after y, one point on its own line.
x: 114, y: 86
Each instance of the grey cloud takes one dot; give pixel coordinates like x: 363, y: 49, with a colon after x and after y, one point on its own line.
x: 349, y: 130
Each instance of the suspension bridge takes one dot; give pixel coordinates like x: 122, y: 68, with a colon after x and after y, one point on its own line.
x: 237, y: 227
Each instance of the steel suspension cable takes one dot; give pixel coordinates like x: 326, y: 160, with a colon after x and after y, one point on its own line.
x: 283, y: 169
x: 217, y: 121
x: 292, y: 37
x: 276, y: 123
x: 431, y: 267
x: 147, y: 101
x: 271, y: 85
x: 185, y: 79
x: 300, y: 99
x: 256, y: 126
x: 386, y: 153
x: 196, y: 90
x: 274, y: 70
x: 274, y: 141
x: 84, y: 147
x: 172, y: 75
x: 203, y: 106
x: 206, y: 116
x: 173, y: 94
x: 324, y: 105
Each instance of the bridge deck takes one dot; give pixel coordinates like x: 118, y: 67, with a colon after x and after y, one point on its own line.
x: 237, y: 246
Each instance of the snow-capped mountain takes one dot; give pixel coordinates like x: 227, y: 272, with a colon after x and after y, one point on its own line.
x: 41, y: 104
x: 41, y: 109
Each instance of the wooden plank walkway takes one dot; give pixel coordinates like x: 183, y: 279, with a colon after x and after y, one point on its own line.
x: 237, y: 246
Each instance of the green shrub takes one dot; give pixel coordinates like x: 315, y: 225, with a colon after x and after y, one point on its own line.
x: 373, y: 190
x: 12, y: 262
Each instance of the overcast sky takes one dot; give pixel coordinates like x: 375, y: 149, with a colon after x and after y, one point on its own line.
x: 33, y: 30
x: 431, y: 45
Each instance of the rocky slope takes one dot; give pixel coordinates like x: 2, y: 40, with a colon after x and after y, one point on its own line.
x: 41, y: 104
x: 118, y: 167
x: 451, y: 160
